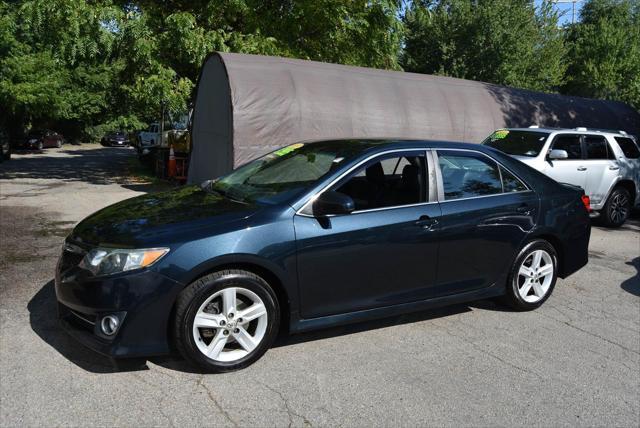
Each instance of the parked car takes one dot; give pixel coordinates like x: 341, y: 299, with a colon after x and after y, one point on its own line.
x: 316, y: 235
x: 5, y: 146
x: 115, y: 139
x: 43, y: 139
x: 606, y: 164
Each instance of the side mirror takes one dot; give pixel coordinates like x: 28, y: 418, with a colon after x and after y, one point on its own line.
x: 333, y: 203
x: 558, y: 154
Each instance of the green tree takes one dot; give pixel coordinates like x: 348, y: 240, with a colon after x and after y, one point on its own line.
x: 507, y: 42
x: 605, y: 51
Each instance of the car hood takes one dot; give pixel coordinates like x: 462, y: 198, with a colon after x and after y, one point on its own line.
x: 160, y: 219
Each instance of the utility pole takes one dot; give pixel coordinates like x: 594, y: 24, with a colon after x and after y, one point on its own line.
x: 573, y: 7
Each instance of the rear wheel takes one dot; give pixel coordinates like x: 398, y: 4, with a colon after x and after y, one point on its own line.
x: 226, y: 320
x: 532, y: 276
x: 617, y: 208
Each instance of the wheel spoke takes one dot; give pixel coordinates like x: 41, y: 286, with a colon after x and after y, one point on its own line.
x: 537, y: 256
x: 252, y: 312
x: 546, y: 270
x: 206, y: 320
x: 537, y: 289
x: 216, y: 345
x: 245, y: 339
x: 525, y: 271
x: 229, y: 300
x: 525, y: 288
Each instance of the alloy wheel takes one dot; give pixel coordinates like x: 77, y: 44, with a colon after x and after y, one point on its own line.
x: 230, y: 324
x: 619, y: 208
x: 535, y: 276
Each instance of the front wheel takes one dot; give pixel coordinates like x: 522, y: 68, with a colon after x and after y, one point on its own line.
x: 617, y: 208
x: 226, y: 321
x: 532, y: 276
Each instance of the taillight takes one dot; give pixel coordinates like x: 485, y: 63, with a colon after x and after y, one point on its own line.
x: 587, y: 203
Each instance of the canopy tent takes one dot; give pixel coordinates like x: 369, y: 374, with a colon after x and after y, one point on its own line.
x: 249, y: 105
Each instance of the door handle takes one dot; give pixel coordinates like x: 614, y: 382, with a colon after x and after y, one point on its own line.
x: 524, y: 209
x: 582, y: 168
x: 426, y: 222
x: 614, y: 168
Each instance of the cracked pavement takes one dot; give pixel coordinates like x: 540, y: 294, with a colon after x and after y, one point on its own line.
x: 575, y: 361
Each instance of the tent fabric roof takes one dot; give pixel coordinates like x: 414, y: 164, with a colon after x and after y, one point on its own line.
x: 268, y: 102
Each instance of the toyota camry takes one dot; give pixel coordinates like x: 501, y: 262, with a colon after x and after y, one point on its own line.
x: 315, y: 235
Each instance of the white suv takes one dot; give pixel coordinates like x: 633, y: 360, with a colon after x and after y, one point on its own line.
x: 606, y: 164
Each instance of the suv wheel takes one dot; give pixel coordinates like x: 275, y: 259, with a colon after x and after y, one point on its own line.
x: 532, y: 276
x: 617, y: 208
x: 226, y: 320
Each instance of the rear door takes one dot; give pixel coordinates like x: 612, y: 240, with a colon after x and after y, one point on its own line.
x: 602, y: 168
x: 571, y: 170
x: 486, y: 213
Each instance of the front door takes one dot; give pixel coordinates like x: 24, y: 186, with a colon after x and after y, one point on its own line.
x: 571, y: 170
x: 383, y: 253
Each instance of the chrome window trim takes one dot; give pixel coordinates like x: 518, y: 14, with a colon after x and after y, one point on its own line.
x: 424, y: 150
x: 441, y: 197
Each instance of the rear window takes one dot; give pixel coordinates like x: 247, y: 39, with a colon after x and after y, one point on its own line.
x: 629, y: 147
x: 518, y: 143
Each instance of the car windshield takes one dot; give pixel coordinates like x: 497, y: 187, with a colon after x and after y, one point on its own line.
x: 286, y: 172
x: 518, y: 143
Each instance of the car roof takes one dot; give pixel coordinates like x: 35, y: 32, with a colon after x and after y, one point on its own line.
x: 383, y: 144
x: 581, y: 130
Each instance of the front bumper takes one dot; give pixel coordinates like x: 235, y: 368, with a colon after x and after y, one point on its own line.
x: 141, y: 300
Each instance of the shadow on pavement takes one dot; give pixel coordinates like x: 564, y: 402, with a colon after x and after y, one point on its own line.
x: 95, y: 166
x: 632, y: 285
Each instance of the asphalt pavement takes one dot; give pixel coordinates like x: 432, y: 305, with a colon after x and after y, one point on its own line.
x: 575, y: 361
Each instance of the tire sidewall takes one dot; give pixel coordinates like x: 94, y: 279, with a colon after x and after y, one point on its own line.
x: 512, y: 285
x: 211, y: 287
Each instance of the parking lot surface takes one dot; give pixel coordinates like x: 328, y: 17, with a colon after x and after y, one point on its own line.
x: 575, y: 361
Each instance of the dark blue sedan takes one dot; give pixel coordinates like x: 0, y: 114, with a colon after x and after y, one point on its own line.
x: 315, y: 235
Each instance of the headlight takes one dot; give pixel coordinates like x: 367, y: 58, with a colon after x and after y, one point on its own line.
x: 105, y: 261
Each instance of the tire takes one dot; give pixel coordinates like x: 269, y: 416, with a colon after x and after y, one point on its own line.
x: 59, y: 144
x: 227, y: 338
x: 522, y: 294
x: 617, y: 208
x: 7, y: 156
x: 40, y: 145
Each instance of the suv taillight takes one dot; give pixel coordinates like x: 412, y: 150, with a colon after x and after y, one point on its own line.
x: 587, y: 203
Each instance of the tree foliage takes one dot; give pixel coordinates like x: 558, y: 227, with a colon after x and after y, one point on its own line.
x: 84, y: 67
x: 604, y: 49
x: 508, y: 42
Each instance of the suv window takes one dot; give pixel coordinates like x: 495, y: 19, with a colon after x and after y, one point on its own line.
x: 387, y: 182
x: 570, y: 144
x: 628, y: 147
x: 465, y: 175
x: 597, y: 147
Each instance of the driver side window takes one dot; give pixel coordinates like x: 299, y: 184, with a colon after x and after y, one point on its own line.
x: 394, y: 180
x: 570, y: 144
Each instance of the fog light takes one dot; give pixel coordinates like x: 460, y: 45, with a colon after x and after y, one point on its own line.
x: 109, y: 325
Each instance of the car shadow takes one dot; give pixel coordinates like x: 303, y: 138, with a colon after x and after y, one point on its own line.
x: 44, y: 322
x: 632, y: 285
x: 95, y: 166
